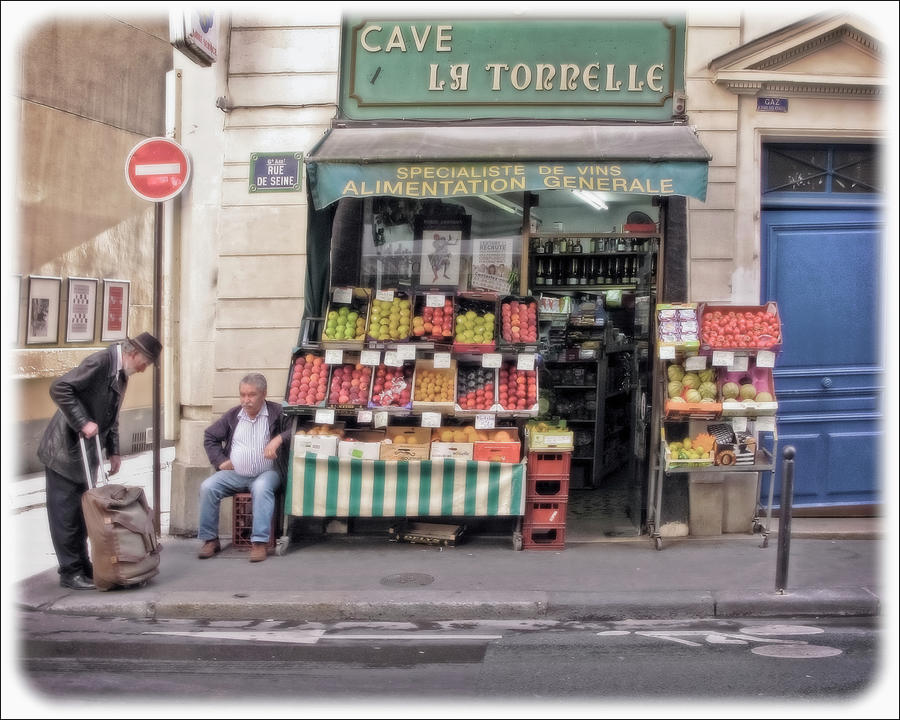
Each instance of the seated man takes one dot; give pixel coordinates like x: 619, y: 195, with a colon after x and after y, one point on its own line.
x: 248, y: 447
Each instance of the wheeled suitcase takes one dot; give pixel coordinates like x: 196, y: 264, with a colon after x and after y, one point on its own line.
x: 124, y: 548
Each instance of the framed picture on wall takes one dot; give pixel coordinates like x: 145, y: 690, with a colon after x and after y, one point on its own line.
x: 115, y: 310
x: 441, y: 247
x: 43, y: 310
x: 81, y: 310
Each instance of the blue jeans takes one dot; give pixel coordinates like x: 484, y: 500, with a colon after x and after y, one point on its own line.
x: 226, y: 483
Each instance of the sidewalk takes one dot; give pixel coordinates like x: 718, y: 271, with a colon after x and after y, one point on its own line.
x: 836, y: 567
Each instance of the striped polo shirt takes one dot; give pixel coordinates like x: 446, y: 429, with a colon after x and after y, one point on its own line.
x: 250, y: 439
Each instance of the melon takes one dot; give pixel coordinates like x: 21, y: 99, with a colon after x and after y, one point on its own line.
x: 707, y: 389
x: 693, y: 396
x: 691, y: 380
x: 731, y: 390
x: 707, y: 400
x: 675, y: 388
x: 675, y: 372
x: 748, y: 391
x: 708, y: 375
x: 764, y: 397
x: 676, y: 399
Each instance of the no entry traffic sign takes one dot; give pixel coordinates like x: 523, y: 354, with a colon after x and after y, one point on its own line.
x: 157, y: 169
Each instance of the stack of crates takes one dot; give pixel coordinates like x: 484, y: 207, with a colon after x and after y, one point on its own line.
x: 242, y: 522
x: 546, y: 499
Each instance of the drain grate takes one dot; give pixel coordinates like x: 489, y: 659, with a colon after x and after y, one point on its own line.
x: 403, y: 579
x: 141, y: 442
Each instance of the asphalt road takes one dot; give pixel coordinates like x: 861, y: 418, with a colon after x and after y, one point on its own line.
x: 717, y: 666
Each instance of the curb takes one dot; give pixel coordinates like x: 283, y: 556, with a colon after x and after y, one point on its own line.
x: 412, y: 606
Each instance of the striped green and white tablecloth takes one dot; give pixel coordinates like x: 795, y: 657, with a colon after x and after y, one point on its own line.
x: 319, y: 486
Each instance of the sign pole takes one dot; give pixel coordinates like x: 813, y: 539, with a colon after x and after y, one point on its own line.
x: 157, y: 374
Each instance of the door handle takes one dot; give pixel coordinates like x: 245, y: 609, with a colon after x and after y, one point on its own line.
x: 826, y: 382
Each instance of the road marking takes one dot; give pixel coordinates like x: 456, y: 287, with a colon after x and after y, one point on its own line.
x: 796, y: 651
x: 413, y: 637
x: 299, y: 637
x: 782, y: 630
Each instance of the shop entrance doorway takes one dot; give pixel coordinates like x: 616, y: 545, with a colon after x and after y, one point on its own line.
x: 821, y: 262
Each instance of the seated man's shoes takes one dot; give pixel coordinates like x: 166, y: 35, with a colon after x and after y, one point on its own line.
x: 258, y: 552
x: 209, y: 548
x: 76, y: 581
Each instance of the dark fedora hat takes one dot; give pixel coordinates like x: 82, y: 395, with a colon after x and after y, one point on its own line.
x: 148, y: 345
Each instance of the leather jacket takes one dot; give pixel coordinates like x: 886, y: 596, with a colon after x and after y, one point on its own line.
x: 218, y: 436
x: 90, y: 392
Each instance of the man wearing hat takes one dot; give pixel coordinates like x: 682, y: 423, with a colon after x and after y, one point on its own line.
x: 89, y: 398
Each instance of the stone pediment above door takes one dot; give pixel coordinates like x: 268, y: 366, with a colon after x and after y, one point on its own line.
x: 834, y: 56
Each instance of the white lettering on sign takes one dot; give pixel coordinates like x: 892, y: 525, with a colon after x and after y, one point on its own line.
x: 158, y: 169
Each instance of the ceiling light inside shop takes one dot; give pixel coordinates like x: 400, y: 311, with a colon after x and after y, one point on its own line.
x: 505, y: 205
x: 594, y: 199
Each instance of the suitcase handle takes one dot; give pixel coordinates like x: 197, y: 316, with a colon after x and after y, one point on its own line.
x: 101, y: 470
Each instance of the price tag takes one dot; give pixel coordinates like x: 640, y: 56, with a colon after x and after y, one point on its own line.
x: 431, y: 419
x: 391, y: 359
x: 740, y: 364
x: 491, y: 360
x: 435, y: 301
x: 370, y: 357
x: 666, y: 352
x: 381, y: 419
x: 525, y: 361
x: 695, y: 362
x: 325, y: 416
x: 484, y: 421
x: 441, y: 360
x: 723, y: 357
x: 363, y: 416
x: 334, y: 357
x: 425, y: 345
x: 384, y: 295
x: 342, y: 295
x: 406, y: 352
x: 739, y: 424
x: 765, y: 358
x: 766, y: 423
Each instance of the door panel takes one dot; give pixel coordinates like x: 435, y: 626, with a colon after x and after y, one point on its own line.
x: 822, y: 267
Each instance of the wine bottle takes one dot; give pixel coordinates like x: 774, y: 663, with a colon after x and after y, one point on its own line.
x: 539, y: 273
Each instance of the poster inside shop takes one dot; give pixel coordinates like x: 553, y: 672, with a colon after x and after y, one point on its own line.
x: 492, y: 264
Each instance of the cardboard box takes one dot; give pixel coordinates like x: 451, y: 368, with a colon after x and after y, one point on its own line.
x: 322, y: 445
x: 361, y: 444
x: 763, y: 382
x: 548, y: 436
x: 406, y: 443
x: 677, y: 326
x: 460, y: 451
x: 767, y: 342
x: 503, y: 452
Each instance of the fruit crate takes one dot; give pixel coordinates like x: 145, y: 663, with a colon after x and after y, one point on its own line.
x: 472, y: 379
x: 544, y: 435
x: 678, y: 326
x: 763, y: 327
x: 508, y: 383
x: 310, y: 368
x: 544, y: 537
x: 425, y: 369
x: 342, y: 393
x: 745, y: 406
x: 344, y: 302
x: 549, y: 463
x: 470, y: 308
x: 430, y: 324
x: 394, y: 393
x: 242, y: 522
x: 518, y: 324
x: 389, y: 305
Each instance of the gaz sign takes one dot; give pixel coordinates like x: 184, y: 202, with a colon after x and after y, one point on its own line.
x: 157, y: 169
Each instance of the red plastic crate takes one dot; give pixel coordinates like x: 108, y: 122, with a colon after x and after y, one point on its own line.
x: 539, y: 512
x: 549, y: 463
x: 242, y: 521
x: 547, y: 489
x: 544, y: 537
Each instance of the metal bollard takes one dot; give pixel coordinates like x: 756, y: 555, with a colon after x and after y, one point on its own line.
x: 784, y: 524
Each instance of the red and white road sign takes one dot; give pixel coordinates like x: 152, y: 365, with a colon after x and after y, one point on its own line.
x: 157, y: 169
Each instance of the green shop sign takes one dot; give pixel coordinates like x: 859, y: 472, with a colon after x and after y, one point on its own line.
x: 492, y: 68
x: 333, y: 181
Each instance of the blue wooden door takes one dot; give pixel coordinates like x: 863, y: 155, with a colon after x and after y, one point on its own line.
x: 821, y: 262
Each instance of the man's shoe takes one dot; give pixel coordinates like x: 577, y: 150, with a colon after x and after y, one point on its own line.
x: 210, y: 548
x: 76, y: 582
x: 257, y: 552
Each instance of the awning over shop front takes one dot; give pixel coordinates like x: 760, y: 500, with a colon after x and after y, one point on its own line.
x: 457, y: 161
